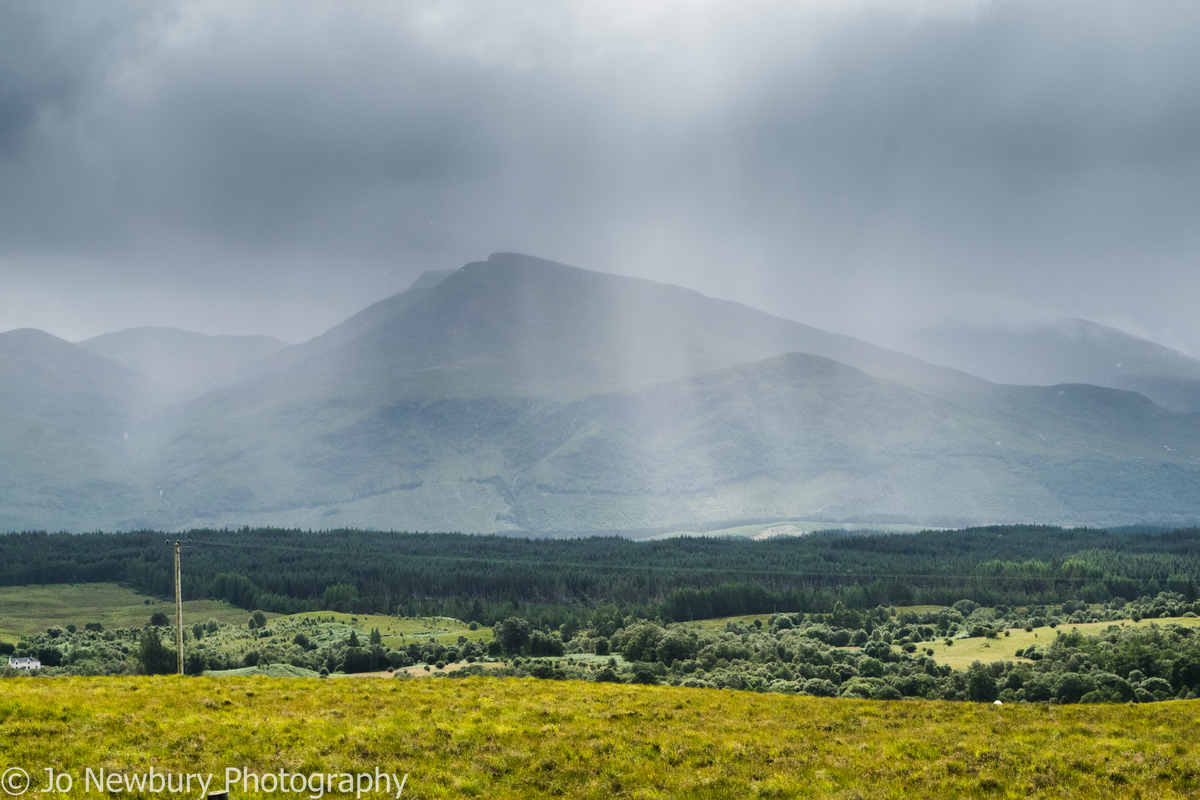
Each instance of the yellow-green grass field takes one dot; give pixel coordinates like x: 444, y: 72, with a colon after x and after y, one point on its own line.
x: 398, y: 632
x: 33, y: 609
x: 520, y: 738
x: 963, y: 652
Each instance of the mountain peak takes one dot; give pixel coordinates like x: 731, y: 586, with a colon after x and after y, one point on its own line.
x: 430, y: 278
x: 34, y: 346
x: 522, y: 259
x: 29, y: 335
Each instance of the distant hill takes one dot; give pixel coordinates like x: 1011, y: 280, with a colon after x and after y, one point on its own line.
x: 519, y: 394
x: 65, y: 415
x: 1070, y: 351
x: 796, y: 436
x: 180, y: 364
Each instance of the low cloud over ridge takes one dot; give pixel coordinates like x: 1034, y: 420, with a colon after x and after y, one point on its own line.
x: 863, y: 167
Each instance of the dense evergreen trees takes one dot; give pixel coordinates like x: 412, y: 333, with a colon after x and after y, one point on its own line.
x: 573, y: 582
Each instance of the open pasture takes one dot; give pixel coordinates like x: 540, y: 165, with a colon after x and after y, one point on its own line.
x: 33, y: 609
x: 963, y: 652
x: 514, y: 738
x: 401, y: 631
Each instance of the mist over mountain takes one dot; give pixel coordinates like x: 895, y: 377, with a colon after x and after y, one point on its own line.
x: 1070, y: 351
x: 527, y: 327
x: 519, y: 394
x: 370, y: 317
x: 180, y: 364
x: 65, y: 416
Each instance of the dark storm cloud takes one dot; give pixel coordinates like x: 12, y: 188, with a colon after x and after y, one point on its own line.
x: 859, y: 166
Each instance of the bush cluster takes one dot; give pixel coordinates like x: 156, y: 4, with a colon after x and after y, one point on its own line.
x: 874, y: 655
x: 306, y: 643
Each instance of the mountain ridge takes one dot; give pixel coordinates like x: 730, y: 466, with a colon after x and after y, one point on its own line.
x: 1069, y: 351
x: 521, y: 395
x: 181, y: 364
x: 536, y: 319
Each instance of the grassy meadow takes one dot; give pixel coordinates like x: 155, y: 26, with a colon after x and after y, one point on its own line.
x: 516, y: 738
x: 963, y: 652
x: 33, y: 609
x: 397, y: 632
x: 524, y: 737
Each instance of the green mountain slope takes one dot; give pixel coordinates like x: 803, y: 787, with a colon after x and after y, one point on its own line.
x: 796, y: 436
x: 803, y: 437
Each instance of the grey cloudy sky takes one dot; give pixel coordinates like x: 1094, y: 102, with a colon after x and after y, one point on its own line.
x: 272, y: 167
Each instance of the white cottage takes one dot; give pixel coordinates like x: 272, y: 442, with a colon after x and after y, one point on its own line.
x: 24, y: 663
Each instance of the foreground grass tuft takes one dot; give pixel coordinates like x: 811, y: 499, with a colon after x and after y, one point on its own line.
x: 522, y: 738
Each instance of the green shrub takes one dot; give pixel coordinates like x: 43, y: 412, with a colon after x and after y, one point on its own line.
x: 154, y: 657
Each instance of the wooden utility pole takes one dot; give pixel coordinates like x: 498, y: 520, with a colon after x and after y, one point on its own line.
x: 178, y: 611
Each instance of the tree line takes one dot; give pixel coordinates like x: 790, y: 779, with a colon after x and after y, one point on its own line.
x: 556, y: 582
